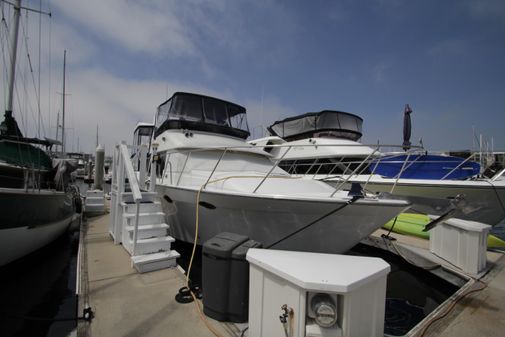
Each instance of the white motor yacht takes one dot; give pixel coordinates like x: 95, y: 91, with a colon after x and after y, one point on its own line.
x: 325, y: 146
x: 203, y: 159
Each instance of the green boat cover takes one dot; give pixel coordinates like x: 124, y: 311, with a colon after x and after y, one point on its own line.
x: 24, y: 155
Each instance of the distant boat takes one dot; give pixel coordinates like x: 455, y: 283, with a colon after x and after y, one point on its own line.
x: 328, y: 142
x: 325, y: 145
x: 36, y: 203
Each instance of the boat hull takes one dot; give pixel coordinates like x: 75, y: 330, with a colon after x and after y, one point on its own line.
x: 293, y: 223
x: 31, y: 220
x: 486, y: 198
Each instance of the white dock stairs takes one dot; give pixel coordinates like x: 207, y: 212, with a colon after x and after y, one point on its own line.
x: 137, y: 219
x: 94, y: 202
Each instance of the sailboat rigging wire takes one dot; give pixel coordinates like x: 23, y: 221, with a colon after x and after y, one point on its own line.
x: 40, y: 48
x: 3, y: 44
x: 49, y: 78
x: 28, y: 8
x: 37, y: 91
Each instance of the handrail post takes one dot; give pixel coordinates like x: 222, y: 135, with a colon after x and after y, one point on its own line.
x: 353, y: 172
x: 457, y: 167
x: 113, y: 195
x: 154, y: 154
x: 400, y: 173
x: 120, y: 192
x: 215, y: 167
x: 136, y: 226
x: 371, y: 174
x: 142, y: 166
x: 271, y: 170
x: 410, y: 164
x: 183, y: 168
x: 498, y: 175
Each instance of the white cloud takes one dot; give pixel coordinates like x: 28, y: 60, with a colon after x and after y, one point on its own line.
x: 117, y: 104
x: 64, y: 37
x: 139, y: 26
x: 262, y: 113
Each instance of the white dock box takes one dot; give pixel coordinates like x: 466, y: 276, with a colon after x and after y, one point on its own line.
x: 462, y: 243
x: 347, y: 293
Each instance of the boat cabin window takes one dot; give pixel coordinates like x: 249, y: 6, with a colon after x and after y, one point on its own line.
x: 143, y: 134
x: 213, y: 111
x: 197, y: 112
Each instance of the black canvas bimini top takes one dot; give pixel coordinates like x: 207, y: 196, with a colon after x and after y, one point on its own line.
x: 326, y: 123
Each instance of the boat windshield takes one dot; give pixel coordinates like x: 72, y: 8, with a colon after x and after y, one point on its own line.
x: 142, y: 134
x: 198, y: 112
x: 327, y: 123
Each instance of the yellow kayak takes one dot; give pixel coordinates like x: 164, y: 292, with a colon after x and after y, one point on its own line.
x: 413, y: 224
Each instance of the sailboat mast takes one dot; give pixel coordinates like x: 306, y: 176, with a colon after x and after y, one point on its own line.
x: 63, y: 117
x: 57, y: 126
x: 13, y: 54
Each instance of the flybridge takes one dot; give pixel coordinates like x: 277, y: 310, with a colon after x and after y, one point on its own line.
x: 327, y: 123
x: 202, y: 113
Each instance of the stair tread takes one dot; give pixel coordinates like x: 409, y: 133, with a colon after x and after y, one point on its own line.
x: 143, y: 193
x: 147, y: 227
x: 127, y: 203
x: 155, y: 240
x: 154, y: 257
x: 132, y: 215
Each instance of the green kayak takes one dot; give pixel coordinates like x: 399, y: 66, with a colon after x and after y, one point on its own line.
x: 413, y: 224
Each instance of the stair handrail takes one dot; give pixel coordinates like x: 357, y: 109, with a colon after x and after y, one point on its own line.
x: 134, y: 185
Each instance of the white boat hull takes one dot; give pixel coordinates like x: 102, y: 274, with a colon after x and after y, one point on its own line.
x: 19, y: 241
x: 433, y: 197
x: 268, y: 219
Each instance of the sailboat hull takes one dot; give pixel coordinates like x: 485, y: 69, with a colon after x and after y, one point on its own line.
x: 30, y: 220
x: 296, y: 224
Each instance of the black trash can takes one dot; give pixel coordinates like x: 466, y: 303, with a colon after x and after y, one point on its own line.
x: 238, y: 298
x: 216, y: 269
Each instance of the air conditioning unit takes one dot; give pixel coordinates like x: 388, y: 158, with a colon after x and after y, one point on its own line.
x: 298, y: 294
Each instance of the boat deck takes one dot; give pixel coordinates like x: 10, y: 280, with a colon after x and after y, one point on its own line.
x: 126, y: 303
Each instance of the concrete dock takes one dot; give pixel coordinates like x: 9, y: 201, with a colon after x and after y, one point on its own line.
x: 126, y: 303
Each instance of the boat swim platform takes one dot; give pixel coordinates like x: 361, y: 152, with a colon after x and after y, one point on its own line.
x: 127, y: 303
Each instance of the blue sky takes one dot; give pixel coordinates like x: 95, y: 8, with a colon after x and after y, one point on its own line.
x: 279, y: 59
